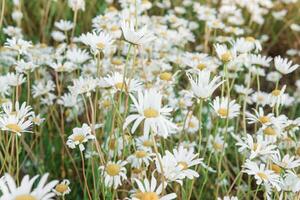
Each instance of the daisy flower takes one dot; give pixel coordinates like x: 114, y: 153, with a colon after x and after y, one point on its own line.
x: 284, y: 66
x: 20, y: 112
x: 14, y: 124
x: 97, y: 42
x: 202, y: 87
x: 260, y: 117
x: 64, y: 25
x: 77, y: 5
x: 139, y: 158
x: 149, y: 110
x: 116, y: 81
x: 18, y: 44
x: 276, y: 97
x: 79, y: 137
x: 224, y: 54
x: 262, y: 174
x: 114, y: 173
x: 144, y: 142
x: 26, y: 191
x: 151, y: 190
x: 216, y: 143
x: 225, y: 109
x: 286, y: 162
x: 62, y: 188
x: 136, y: 37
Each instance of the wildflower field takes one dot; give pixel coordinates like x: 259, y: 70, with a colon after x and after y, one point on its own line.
x: 149, y: 99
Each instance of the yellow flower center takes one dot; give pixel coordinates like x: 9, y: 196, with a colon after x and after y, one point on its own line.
x: 264, y: 119
x: 276, y: 168
x: 140, y: 154
x: 36, y: 120
x: 147, y: 196
x: 255, y: 146
x: 165, y: 76
x: 106, y: 103
x: 269, y: 131
x: 148, y: 143
x: 100, y: 45
x: 201, y: 66
x: 137, y: 170
x: 250, y: 39
x: 183, y: 165
x: 192, y: 125
x: 79, y: 138
x: 114, y: 28
x: 14, y: 127
x: 217, y: 146
x: 113, y: 169
x: 262, y: 175
x: 276, y: 92
x: 25, y: 197
x: 120, y: 85
x: 116, y: 61
x: 61, y: 188
x: 150, y: 113
x: 223, y: 112
x: 226, y: 57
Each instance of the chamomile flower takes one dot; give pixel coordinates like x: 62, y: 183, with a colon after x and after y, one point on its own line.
x: 116, y: 81
x: 79, y: 137
x: 15, y: 79
x: 260, y: 117
x: 151, y: 190
x: 216, y: 143
x: 262, y: 174
x: 225, y: 109
x: 64, y: 25
x: 20, y: 112
x: 97, y: 42
x: 26, y: 190
x: 114, y: 173
x: 77, y: 5
x: 225, y: 54
x: 149, y: 109
x: 202, y: 86
x: 14, y: 124
x: 140, y: 158
x: 284, y: 66
x: 62, y: 188
x: 286, y: 162
x: 136, y: 37
x: 18, y: 44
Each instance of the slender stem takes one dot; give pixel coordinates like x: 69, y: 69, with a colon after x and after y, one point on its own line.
x: 84, y: 177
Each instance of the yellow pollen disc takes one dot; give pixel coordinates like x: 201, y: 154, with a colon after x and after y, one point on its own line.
x: 165, y: 76
x: 137, y: 170
x: 276, y: 168
x: 140, y: 154
x: 120, y: 85
x: 192, y: 125
x: 14, y: 127
x: 276, y: 92
x: 262, y: 175
x: 106, y: 103
x: 68, y: 112
x: 226, y: 57
x: 100, y: 45
x: 269, y: 131
x: 79, y: 138
x: 13, y: 113
x: 201, y: 66
x: 264, y: 119
x: 217, y: 146
x: 250, y: 39
x: 36, y: 120
x: 147, y: 196
x: 148, y: 143
x: 113, y: 169
x: 25, y: 197
x: 61, y: 188
x: 183, y: 165
x: 114, y: 28
x: 150, y: 113
x: 223, y: 112
x: 116, y: 61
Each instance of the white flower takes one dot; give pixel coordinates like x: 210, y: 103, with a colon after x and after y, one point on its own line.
x: 140, y: 158
x: 150, y: 190
x: 15, y: 110
x: 291, y: 182
x: 116, y: 81
x: 77, y: 56
x: 18, y: 44
x: 139, y: 37
x: 14, y: 124
x: 259, y: 117
x: 287, y: 162
x: 77, y: 5
x: 10, y: 191
x: 284, y: 66
x: 62, y: 188
x: 262, y: 174
x: 114, y: 173
x: 83, y: 85
x: 225, y: 109
x: 149, y: 110
x: 202, y: 86
x: 79, y: 137
x: 101, y: 42
x: 15, y: 79
x: 64, y: 25
x: 225, y: 54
